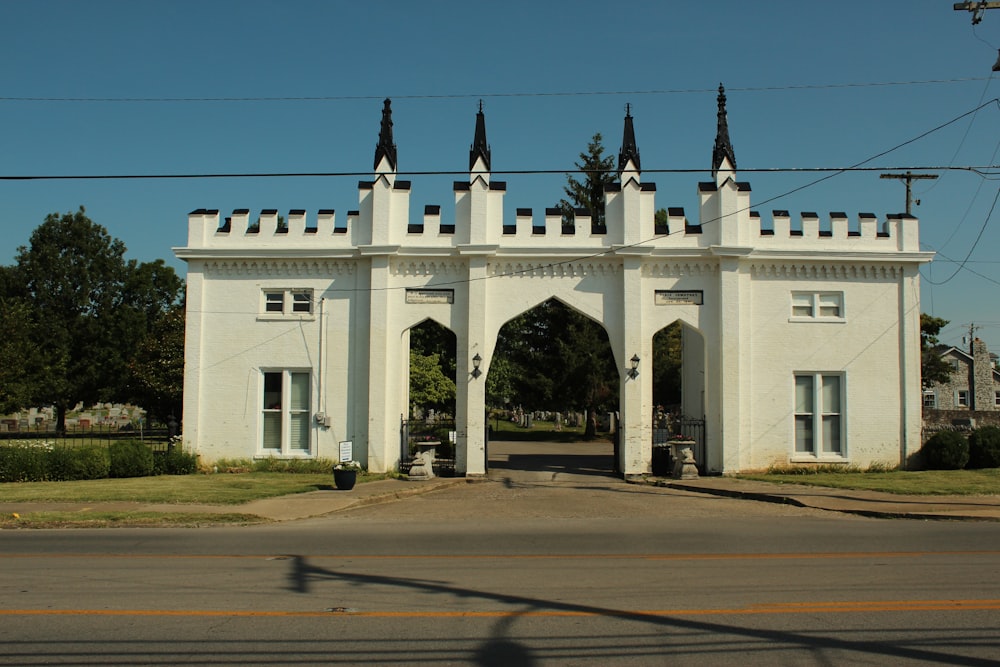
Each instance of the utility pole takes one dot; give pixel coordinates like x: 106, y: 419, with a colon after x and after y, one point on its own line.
x: 972, y: 333
x: 977, y: 7
x: 909, y: 177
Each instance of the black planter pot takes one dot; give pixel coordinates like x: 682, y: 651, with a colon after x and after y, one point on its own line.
x: 345, y: 479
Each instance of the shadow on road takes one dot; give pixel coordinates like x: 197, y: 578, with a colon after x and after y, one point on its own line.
x: 551, y: 460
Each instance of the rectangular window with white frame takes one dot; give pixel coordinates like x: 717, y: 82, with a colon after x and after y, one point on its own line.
x: 819, y: 416
x: 930, y: 399
x: 996, y: 398
x: 280, y: 303
x: 285, y: 413
x: 817, y: 307
x: 962, y: 398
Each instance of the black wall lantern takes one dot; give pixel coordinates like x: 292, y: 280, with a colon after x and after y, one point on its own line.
x: 476, y: 360
x: 634, y: 371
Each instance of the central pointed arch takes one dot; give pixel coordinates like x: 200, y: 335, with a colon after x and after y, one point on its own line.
x: 552, y: 392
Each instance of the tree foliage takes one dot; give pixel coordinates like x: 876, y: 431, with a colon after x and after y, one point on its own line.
x: 89, y: 307
x: 553, y: 358
x: 432, y: 368
x: 18, y: 353
x: 597, y: 171
x: 933, y: 368
x: 667, y: 356
x: 429, y: 386
x: 156, y: 370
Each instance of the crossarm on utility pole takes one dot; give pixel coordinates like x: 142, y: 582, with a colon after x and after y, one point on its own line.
x: 977, y: 7
x: 908, y: 178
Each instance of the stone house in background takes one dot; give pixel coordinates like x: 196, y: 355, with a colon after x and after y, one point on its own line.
x: 972, y: 396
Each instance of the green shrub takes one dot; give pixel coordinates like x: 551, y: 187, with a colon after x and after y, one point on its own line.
x: 984, y: 447
x: 23, y: 462
x: 60, y: 464
x: 130, y: 458
x: 73, y: 462
x: 93, y: 462
x: 174, y: 461
x: 946, y: 450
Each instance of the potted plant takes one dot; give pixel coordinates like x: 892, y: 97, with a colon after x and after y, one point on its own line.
x: 345, y: 474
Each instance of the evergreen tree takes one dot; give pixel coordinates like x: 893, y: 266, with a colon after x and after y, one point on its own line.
x: 933, y: 368
x: 597, y: 171
x: 554, y: 358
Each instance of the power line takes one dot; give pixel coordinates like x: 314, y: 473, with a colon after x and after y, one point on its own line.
x: 975, y: 243
x: 983, y: 170
x: 579, y: 93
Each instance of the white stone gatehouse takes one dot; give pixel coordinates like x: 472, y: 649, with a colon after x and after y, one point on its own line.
x: 801, y: 332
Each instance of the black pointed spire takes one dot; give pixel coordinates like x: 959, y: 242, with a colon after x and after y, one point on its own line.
x: 386, y: 149
x: 629, y: 150
x: 723, y: 146
x: 480, y: 149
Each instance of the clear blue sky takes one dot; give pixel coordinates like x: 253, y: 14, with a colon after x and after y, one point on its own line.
x: 810, y: 84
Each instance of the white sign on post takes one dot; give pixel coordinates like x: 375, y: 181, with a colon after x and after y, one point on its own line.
x: 346, y: 451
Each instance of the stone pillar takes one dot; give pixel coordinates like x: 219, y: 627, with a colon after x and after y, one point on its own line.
x: 193, y: 358
x: 983, y: 394
x: 381, y: 406
x: 635, y: 394
x: 730, y: 367
x: 470, y: 403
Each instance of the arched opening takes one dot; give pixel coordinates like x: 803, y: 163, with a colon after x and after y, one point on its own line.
x: 678, y: 393
x: 552, y: 394
x: 431, y: 393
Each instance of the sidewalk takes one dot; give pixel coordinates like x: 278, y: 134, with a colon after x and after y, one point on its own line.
x: 851, y: 501
x: 319, y: 503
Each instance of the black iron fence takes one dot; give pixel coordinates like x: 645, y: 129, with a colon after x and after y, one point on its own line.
x: 156, y: 438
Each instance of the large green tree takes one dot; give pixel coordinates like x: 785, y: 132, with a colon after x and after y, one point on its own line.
x: 554, y: 358
x: 429, y: 386
x: 667, y: 358
x: 156, y: 369
x: 91, y: 307
x: 596, y: 171
x: 933, y: 368
x: 18, y: 353
x: 432, y: 368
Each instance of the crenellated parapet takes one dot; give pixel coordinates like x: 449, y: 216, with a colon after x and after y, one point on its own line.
x: 834, y: 232
x: 327, y: 230
x: 386, y: 222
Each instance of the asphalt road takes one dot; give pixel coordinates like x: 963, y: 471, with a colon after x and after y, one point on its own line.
x: 536, y: 567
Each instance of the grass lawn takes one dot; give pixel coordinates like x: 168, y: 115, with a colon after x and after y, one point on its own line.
x: 922, y: 482
x: 219, y: 489
x: 504, y: 429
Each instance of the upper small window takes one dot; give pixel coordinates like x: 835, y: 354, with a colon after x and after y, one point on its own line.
x: 301, y: 302
x: 818, y: 305
x: 274, y: 302
x: 288, y: 302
